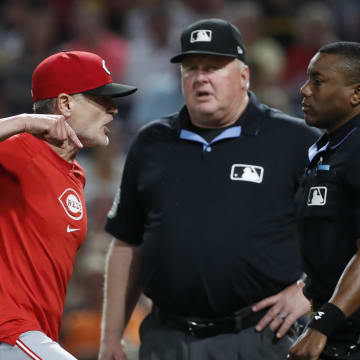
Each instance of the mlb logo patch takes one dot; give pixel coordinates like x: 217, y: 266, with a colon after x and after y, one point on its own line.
x: 201, y: 35
x: 317, y: 196
x: 245, y: 172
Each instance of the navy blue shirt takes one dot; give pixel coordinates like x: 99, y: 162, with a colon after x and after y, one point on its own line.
x: 215, y: 220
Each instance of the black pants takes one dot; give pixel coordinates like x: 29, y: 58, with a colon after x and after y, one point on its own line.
x: 160, y: 342
x: 340, y: 352
x: 335, y: 350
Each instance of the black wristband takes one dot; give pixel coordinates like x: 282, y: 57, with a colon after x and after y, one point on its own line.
x: 327, y: 319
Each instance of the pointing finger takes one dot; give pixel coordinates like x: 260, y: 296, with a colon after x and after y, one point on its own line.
x: 72, y: 135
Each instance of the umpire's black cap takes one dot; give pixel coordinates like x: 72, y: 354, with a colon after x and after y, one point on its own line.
x: 213, y: 37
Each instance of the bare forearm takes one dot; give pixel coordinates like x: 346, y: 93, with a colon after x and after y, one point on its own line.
x: 122, y: 288
x: 346, y: 297
x: 52, y: 128
x: 11, y: 126
x: 347, y: 293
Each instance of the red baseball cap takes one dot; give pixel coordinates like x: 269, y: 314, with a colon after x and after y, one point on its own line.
x: 74, y: 72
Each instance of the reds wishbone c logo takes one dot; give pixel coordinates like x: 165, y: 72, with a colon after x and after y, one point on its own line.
x: 71, y: 202
x: 105, y: 68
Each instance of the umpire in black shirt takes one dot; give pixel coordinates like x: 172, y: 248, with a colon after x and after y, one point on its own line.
x: 329, y: 205
x: 204, y: 218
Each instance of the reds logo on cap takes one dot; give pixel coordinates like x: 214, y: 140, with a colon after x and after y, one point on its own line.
x: 105, y: 68
x: 71, y: 202
x: 74, y: 72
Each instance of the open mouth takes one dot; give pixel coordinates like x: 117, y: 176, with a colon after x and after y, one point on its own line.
x: 202, y: 94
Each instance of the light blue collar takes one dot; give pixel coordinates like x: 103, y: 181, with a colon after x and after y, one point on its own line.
x: 233, y: 132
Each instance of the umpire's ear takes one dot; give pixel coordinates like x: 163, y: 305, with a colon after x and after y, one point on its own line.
x: 64, y: 104
x: 355, y: 97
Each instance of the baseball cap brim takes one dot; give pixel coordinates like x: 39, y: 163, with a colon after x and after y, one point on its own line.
x: 179, y: 58
x: 112, y: 89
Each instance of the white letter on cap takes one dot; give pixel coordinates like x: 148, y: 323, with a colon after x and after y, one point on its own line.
x: 105, y: 68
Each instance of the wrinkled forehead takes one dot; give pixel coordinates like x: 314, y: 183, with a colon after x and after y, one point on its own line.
x: 194, y: 59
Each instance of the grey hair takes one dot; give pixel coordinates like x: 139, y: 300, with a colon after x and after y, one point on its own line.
x: 46, y: 106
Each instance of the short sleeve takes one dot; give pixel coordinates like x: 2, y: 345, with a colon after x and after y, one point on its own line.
x: 125, y: 220
x: 15, y: 153
x: 352, y: 182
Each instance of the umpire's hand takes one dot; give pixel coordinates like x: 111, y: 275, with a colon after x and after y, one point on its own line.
x: 112, y: 349
x: 285, y: 308
x: 308, y: 346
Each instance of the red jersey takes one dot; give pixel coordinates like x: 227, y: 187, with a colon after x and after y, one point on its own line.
x: 42, y: 224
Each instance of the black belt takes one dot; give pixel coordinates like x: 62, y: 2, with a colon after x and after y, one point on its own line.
x: 206, y: 327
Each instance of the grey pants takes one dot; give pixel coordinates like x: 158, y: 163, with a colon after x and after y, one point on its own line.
x: 159, y: 342
x: 34, y: 345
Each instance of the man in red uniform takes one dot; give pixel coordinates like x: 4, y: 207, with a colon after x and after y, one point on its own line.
x: 42, y: 211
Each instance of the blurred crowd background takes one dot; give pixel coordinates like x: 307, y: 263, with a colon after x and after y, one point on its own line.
x: 137, y: 39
